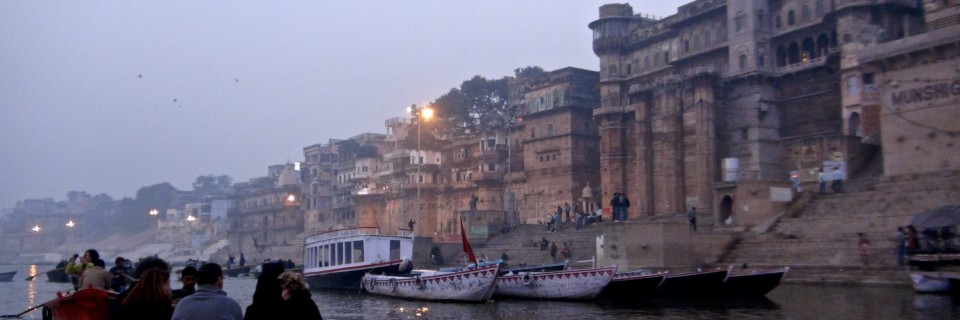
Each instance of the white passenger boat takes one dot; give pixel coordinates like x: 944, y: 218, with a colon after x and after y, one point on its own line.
x: 471, y: 285
x: 581, y: 284
x: 338, y: 259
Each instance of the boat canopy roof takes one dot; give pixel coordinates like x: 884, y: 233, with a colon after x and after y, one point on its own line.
x: 352, y: 232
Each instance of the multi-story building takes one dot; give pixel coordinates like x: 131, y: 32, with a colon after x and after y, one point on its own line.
x: 714, y: 106
x: 267, y: 220
x: 320, y: 161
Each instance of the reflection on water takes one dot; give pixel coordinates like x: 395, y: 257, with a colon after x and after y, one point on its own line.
x: 786, y: 302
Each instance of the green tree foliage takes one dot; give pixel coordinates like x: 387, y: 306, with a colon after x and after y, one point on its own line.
x: 212, y: 184
x: 134, y: 213
x: 461, y: 110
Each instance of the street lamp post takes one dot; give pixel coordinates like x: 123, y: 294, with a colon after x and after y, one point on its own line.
x: 425, y: 113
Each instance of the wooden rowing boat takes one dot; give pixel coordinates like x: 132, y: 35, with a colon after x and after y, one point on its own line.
x: 473, y: 285
x: 583, y: 284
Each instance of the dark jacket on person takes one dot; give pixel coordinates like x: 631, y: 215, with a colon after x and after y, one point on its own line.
x: 143, y: 311
x: 182, y: 292
x: 299, y: 306
x: 267, y: 297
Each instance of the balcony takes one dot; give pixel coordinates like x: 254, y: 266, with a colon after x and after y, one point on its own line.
x: 608, y: 43
x: 488, y: 176
x: 614, y: 110
x: 796, y: 67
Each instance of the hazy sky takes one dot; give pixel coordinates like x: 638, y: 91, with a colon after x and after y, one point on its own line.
x: 110, y: 96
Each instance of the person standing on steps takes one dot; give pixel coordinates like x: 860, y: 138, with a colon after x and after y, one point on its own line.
x: 553, y: 251
x: 624, y: 206
x: 901, y: 239
x: 473, y: 202
x: 692, y: 216
x: 863, y: 244
x: 615, y: 206
x: 837, y: 185
x: 566, y: 210
x: 822, y: 179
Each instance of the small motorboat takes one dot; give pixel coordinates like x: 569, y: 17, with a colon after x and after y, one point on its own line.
x: 236, y: 272
x: 58, y: 275
x: 583, y: 284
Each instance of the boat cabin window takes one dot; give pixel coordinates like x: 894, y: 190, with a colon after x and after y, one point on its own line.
x: 325, y: 255
x: 358, y: 251
x: 348, y: 252
x: 394, y: 249
x: 339, y: 253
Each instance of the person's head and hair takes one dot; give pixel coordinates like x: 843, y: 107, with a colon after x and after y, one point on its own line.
x: 188, y: 276
x: 99, y: 263
x: 210, y: 274
x: 119, y: 261
x: 150, y: 262
x: 292, y: 281
x: 153, y: 288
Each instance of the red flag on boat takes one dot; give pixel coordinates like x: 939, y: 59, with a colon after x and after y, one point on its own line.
x: 466, y: 245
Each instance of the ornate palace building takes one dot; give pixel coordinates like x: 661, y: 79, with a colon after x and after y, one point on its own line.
x: 713, y: 107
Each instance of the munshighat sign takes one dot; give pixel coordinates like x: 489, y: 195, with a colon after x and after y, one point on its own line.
x: 934, y: 90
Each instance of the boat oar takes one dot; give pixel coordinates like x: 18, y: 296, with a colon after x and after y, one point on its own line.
x: 22, y: 313
x: 30, y: 278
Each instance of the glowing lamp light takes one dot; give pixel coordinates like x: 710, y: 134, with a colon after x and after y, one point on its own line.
x: 427, y: 113
x: 154, y: 212
x: 70, y: 224
x: 291, y: 198
x: 36, y: 228
x: 191, y: 218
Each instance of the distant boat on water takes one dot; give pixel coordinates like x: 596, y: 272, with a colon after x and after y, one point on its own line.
x: 7, y: 276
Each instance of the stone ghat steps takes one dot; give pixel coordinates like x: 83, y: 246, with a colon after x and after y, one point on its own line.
x: 824, y: 233
x: 522, y: 244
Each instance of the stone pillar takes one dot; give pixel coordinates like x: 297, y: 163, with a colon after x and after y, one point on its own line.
x: 644, y: 204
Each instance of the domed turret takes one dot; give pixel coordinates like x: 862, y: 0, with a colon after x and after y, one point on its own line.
x: 587, y: 192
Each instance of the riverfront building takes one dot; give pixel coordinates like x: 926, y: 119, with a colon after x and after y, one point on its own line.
x: 713, y: 107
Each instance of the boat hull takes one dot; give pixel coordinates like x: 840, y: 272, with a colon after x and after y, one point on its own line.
x: 7, y: 276
x: 535, y: 268
x: 236, y: 272
x: 350, y: 278
x: 930, y: 282
x: 475, y: 285
x: 561, y: 285
x: 699, y: 284
x: 87, y: 304
x: 754, y: 284
x: 58, y: 275
x: 632, y: 285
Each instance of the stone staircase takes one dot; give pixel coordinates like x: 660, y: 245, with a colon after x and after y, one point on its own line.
x: 821, y: 238
x: 522, y: 244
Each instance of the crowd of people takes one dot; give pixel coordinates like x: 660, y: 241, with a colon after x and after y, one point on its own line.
x: 145, y: 293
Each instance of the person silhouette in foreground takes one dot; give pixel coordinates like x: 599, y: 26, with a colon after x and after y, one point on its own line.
x: 267, y: 296
x: 210, y: 301
x: 296, y: 303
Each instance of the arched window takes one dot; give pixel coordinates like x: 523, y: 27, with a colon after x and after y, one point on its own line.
x: 805, y: 13
x: 820, y: 9
x: 721, y: 33
x: 696, y: 43
x: 807, y: 49
x: 613, y: 71
x: 791, y: 18
x: 743, y: 62
x: 793, y: 53
x: 646, y: 63
x: 656, y: 59
x: 823, y: 44
x: 686, y: 46
x: 778, y: 22
x: 855, y: 128
x: 707, y: 41
x: 629, y: 69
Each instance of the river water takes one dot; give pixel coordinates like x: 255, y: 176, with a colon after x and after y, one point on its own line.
x: 789, y: 301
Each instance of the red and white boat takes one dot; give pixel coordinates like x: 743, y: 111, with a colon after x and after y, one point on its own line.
x: 473, y: 285
x: 81, y: 305
x: 583, y: 284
